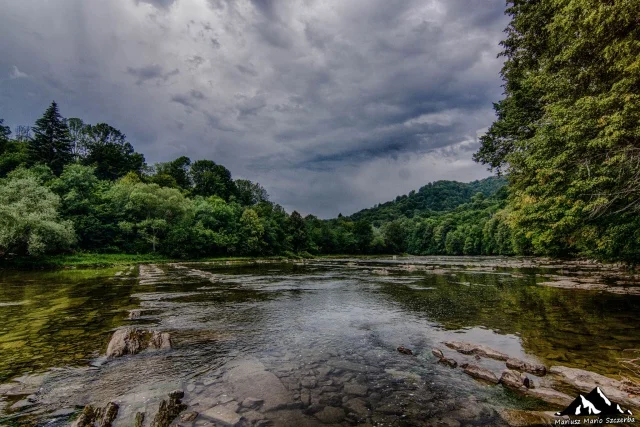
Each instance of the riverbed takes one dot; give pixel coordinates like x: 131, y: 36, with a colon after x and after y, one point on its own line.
x: 315, y: 341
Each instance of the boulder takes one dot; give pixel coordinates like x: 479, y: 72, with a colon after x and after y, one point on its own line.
x: 532, y: 368
x: 515, y: 381
x: 404, y: 350
x: 133, y: 340
x: 480, y: 373
x: 188, y: 416
x: 358, y: 406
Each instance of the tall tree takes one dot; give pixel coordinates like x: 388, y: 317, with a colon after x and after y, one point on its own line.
x: 51, y: 143
x: 250, y: 193
x: 176, y: 171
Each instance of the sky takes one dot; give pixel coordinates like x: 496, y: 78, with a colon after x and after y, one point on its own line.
x: 332, y: 105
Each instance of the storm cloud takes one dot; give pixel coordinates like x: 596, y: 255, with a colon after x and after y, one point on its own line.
x: 332, y: 105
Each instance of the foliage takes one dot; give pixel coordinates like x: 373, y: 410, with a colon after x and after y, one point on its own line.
x: 568, y: 130
x: 30, y: 222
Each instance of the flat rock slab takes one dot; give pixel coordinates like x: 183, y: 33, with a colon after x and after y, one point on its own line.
x: 330, y: 415
x: 356, y: 389
x: 248, y: 378
x: 550, y: 396
x: 586, y: 381
x: 481, y: 373
x: 532, y: 368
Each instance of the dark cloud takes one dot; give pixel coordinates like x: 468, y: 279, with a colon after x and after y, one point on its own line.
x: 332, y: 105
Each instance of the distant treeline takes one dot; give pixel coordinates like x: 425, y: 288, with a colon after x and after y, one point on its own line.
x: 70, y: 186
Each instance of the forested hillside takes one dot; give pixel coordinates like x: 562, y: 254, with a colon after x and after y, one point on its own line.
x: 437, y: 196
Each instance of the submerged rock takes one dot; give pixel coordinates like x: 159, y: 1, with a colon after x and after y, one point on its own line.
x: 517, y: 418
x: 330, y: 415
x: 225, y: 414
x: 480, y: 373
x: 405, y: 350
x: 480, y: 350
x: 133, y: 340
x: 533, y: 368
x: 442, y: 359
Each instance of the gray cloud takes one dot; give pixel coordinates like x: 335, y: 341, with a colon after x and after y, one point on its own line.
x: 332, y: 105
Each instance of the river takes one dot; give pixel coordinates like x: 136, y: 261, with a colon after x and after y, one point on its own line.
x: 320, y: 335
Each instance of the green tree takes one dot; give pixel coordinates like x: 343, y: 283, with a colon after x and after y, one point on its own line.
x: 298, y: 232
x: 249, y: 193
x: 363, y: 233
x: 108, y: 151
x: 51, y: 143
x: 30, y: 222
x: 211, y: 179
x: 251, y: 232
x: 573, y: 134
x: 175, y: 173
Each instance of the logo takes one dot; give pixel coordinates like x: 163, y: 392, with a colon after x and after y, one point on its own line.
x: 596, y: 403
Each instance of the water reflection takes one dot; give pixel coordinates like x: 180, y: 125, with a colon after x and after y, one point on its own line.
x: 298, y: 320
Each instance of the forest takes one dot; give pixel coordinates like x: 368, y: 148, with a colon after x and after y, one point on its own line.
x: 565, y: 144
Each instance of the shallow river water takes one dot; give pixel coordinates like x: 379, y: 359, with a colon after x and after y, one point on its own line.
x: 319, y: 339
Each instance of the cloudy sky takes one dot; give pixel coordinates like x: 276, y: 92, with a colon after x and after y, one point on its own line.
x: 332, y: 105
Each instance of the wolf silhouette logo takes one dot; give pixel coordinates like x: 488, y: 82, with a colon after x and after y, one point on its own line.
x: 594, y: 403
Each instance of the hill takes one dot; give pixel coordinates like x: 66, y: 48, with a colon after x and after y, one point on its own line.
x: 438, y: 196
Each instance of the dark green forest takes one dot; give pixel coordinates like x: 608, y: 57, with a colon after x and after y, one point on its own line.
x: 566, y: 143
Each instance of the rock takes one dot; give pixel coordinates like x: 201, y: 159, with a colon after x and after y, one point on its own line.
x: 169, y: 409
x: 139, y: 421
x: 330, y: 415
x: 550, y: 396
x: 132, y: 341
x: 102, y: 417
x: 248, y: 377
x: 532, y: 368
x: 480, y: 350
x: 224, y: 415
x: 356, y: 389
x: 160, y: 340
x: 515, y: 380
x: 308, y: 382
x: 403, y: 375
x: 358, y: 406
x: 305, y: 398
x: 405, y: 350
x: 480, y: 373
x: 518, y: 418
x: 586, y: 381
x: 135, y: 314
x: 110, y: 414
x: 188, y: 416
x: 437, y: 353
x: 441, y: 359
x: 251, y: 402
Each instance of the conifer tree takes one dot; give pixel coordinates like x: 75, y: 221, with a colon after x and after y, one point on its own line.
x: 51, y: 143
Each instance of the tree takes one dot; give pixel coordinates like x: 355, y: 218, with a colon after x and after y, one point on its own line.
x: 175, y: 173
x: 109, y: 152
x: 5, y: 132
x: 30, y: 222
x: 249, y: 193
x: 251, y: 232
x: 568, y: 129
x: 298, y: 232
x: 51, y: 143
x: 78, y: 136
x: 210, y: 179
x: 363, y: 233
